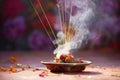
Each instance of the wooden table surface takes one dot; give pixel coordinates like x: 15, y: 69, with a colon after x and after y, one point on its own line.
x: 106, y: 66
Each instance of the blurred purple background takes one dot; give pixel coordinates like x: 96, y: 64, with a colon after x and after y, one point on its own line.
x: 20, y: 28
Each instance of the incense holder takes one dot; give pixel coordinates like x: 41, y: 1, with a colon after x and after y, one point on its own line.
x: 66, y: 67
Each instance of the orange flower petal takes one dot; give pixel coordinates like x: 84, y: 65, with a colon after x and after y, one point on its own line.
x: 13, y: 59
x: 3, y: 69
x: 12, y: 69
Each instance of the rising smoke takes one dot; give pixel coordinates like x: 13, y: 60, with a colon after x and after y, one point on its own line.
x: 81, y: 17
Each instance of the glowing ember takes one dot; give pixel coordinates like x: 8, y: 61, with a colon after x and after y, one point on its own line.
x: 68, y: 59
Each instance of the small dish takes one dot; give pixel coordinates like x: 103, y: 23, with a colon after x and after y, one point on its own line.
x: 66, y: 67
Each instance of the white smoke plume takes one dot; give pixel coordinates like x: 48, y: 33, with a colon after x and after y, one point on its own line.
x: 82, y: 15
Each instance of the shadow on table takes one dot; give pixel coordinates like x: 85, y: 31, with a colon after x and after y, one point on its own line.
x: 90, y: 73
x: 80, y: 73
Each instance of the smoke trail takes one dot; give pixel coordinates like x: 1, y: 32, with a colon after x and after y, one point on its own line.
x: 81, y: 17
